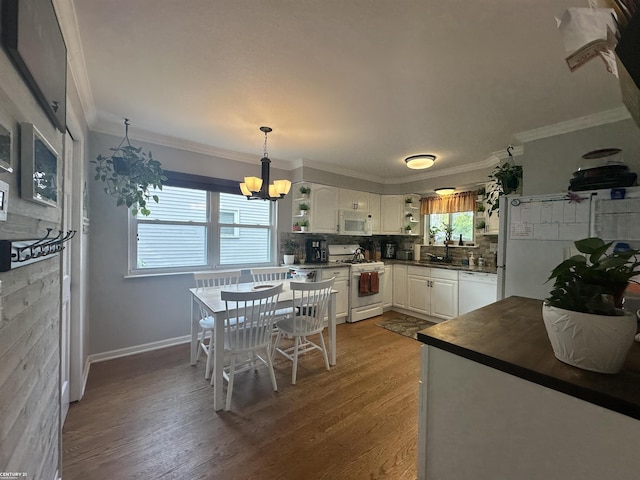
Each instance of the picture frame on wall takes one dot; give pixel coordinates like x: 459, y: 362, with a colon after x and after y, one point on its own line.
x: 6, y: 146
x: 32, y: 38
x: 39, y: 167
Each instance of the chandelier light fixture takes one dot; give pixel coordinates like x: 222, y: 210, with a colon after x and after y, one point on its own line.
x: 419, y: 162
x: 255, y: 188
x: 445, y: 191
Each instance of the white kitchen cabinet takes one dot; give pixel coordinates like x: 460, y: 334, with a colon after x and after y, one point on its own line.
x: 323, y: 216
x: 400, y: 285
x: 387, y: 287
x: 444, y: 293
x: 374, y: 211
x: 353, y: 200
x: 431, y: 291
x: 418, y: 290
x: 341, y: 284
x: 391, y: 214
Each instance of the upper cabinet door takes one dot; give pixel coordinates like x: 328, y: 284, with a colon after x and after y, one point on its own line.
x: 374, y: 211
x: 353, y: 200
x: 324, y: 211
x: 391, y: 214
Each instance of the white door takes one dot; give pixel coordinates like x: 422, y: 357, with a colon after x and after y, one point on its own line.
x: 324, y: 209
x: 400, y: 285
x: 391, y: 213
x: 65, y: 301
x: 418, y: 294
x: 444, y: 298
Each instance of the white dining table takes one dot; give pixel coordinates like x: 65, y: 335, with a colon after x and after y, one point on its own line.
x: 209, y: 298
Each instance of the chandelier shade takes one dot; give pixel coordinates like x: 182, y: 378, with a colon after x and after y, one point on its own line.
x: 255, y: 188
x: 419, y: 162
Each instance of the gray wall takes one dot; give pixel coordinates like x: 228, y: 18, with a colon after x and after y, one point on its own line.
x: 127, y: 312
x: 549, y: 163
x: 30, y: 322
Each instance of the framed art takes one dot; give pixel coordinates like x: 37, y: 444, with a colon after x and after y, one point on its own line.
x: 39, y: 167
x: 33, y: 40
x: 6, y: 147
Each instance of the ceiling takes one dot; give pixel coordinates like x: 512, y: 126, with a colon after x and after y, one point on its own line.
x: 350, y: 86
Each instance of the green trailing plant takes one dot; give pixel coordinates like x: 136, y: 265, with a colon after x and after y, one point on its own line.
x: 595, y: 281
x: 505, y: 179
x: 129, y: 174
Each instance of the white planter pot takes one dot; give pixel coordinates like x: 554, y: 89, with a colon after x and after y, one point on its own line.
x: 289, y: 259
x: 303, y: 212
x: 303, y: 229
x: 598, y: 343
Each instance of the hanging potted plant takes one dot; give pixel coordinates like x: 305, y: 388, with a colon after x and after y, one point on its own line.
x: 505, y: 179
x: 129, y: 174
x: 583, y: 316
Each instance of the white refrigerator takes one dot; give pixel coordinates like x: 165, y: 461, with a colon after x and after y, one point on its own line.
x: 537, y: 233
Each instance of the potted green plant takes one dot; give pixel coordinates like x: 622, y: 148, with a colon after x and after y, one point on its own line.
x: 289, y: 249
x: 303, y: 208
x: 505, y: 179
x: 480, y: 207
x: 448, y: 232
x: 296, y: 227
x: 481, y: 225
x: 305, y: 191
x: 409, y: 217
x: 408, y: 229
x: 303, y: 225
x: 583, y: 315
x: 408, y: 200
x: 129, y: 174
x: 433, y: 231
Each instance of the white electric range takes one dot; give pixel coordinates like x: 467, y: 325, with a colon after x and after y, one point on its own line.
x: 365, y: 291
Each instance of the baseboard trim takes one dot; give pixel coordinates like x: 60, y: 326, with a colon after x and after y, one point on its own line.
x: 147, y: 347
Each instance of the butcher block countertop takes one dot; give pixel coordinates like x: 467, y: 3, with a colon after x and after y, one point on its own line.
x: 509, y: 335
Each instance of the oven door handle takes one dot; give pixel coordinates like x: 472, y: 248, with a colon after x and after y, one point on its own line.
x: 357, y: 275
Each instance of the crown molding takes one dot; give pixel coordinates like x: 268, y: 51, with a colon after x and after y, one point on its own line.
x: 66, y: 13
x: 602, y: 118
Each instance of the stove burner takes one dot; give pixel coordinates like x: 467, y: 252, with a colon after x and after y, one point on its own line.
x: 352, y: 261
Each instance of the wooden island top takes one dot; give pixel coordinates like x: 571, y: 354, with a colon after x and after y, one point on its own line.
x: 510, y: 336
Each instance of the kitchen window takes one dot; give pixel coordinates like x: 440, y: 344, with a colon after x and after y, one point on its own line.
x: 192, y: 229
x: 455, y: 210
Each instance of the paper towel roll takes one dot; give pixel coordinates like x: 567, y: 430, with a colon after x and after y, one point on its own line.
x: 416, y: 251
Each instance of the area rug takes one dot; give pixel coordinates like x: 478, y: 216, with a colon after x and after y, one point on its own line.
x: 405, y: 325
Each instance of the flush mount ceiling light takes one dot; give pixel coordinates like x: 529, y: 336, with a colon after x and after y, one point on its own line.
x: 419, y: 162
x: 445, y: 191
x: 255, y: 188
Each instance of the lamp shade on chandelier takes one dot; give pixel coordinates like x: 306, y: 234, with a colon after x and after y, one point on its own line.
x: 255, y: 188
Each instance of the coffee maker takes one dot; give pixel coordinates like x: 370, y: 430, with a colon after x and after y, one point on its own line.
x: 317, y: 251
x: 389, y: 250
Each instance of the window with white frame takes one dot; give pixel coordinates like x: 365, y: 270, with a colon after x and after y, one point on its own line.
x: 191, y: 229
x: 462, y: 223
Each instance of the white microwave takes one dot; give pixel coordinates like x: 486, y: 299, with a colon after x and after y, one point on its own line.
x: 354, y: 222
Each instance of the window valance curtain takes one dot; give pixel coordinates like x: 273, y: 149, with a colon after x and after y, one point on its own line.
x: 200, y: 182
x: 458, y: 202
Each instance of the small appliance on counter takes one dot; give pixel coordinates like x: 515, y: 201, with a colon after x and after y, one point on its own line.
x: 317, y: 251
x: 404, y: 255
x: 389, y: 250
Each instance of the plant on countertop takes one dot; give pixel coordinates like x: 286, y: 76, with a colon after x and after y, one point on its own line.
x: 448, y: 232
x: 129, y: 174
x: 290, y: 247
x: 594, y: 282
x: 506, y: 179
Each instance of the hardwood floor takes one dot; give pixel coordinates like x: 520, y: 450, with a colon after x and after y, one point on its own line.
x: 150, y: 416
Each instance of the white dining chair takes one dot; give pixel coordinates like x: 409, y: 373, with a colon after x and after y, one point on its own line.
x: 269, y: 274
x: 272, y: 274
x: 205, y: 341
x: 310, y: 301
x: 247, y: 332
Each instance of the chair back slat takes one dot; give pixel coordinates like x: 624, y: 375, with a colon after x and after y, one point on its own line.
x: 249, y: 319
x: 269, y: 274
x: 310, y: 301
